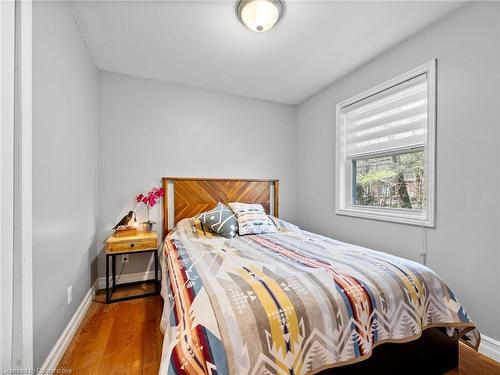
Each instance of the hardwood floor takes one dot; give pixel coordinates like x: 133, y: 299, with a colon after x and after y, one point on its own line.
x: 125, y: 338
x: 119, y: 338
x: 472, y: 363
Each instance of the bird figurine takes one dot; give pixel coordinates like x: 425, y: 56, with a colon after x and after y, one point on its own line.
x: 125, y: 220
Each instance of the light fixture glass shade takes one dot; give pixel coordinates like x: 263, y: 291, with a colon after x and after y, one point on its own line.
x: 259, y: 15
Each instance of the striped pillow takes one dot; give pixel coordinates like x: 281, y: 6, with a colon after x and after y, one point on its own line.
x: 252, y: 219
x: 220, y: 220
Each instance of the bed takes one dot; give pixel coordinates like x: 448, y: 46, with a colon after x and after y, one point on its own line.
x: 294, y: 302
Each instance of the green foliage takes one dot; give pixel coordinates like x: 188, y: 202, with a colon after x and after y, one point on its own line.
x: 376, y: 176
x: 391, y: 181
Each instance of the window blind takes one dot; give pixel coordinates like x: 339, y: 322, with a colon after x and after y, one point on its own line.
x: 393, y: 119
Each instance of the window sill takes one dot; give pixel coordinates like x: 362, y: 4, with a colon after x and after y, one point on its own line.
x: 394, y: 215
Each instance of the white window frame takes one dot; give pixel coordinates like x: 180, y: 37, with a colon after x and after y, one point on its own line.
x: 343, y: 166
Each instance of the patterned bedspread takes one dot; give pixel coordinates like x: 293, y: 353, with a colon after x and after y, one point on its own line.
x: 291, y: 302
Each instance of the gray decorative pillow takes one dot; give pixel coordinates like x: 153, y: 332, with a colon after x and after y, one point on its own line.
x: 220, y: 220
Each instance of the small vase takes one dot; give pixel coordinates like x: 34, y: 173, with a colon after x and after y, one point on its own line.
x: 147, y: 227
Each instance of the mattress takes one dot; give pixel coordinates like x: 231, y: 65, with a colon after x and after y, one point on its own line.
x: 292, y: 302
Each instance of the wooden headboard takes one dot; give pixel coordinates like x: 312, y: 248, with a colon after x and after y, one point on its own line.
x: 194, y: 195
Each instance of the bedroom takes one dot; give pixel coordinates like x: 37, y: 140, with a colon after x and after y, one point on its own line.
x: 357, y: 126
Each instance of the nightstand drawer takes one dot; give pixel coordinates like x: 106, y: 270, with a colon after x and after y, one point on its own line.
x: 131, y: 245
x: 128, y: 244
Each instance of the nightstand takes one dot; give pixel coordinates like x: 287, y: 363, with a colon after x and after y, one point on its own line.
x: 142, y: 242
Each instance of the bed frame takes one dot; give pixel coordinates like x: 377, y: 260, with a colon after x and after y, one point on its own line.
x: 194, y: 195
x: 432, y: 354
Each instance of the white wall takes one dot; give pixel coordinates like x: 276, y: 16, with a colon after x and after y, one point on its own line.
x: 150, y: 129
x: 65, y: 119
x: 464, y: 248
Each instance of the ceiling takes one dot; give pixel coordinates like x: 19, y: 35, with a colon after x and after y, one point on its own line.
x: 203, y: 43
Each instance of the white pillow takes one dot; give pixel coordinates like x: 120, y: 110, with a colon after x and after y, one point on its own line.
x: 252, y: 219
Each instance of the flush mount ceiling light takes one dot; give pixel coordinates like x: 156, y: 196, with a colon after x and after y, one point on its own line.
x: 259, y: 15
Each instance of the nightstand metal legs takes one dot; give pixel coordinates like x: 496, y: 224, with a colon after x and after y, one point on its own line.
x: 111, y: 284
x: 156, y: 272
x: 107, y: 278
x: 113, y: 273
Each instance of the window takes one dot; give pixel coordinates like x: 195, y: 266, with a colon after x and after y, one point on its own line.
x: 385, y: 150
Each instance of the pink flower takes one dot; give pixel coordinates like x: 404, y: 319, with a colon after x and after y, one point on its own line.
x: 151, y: 198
